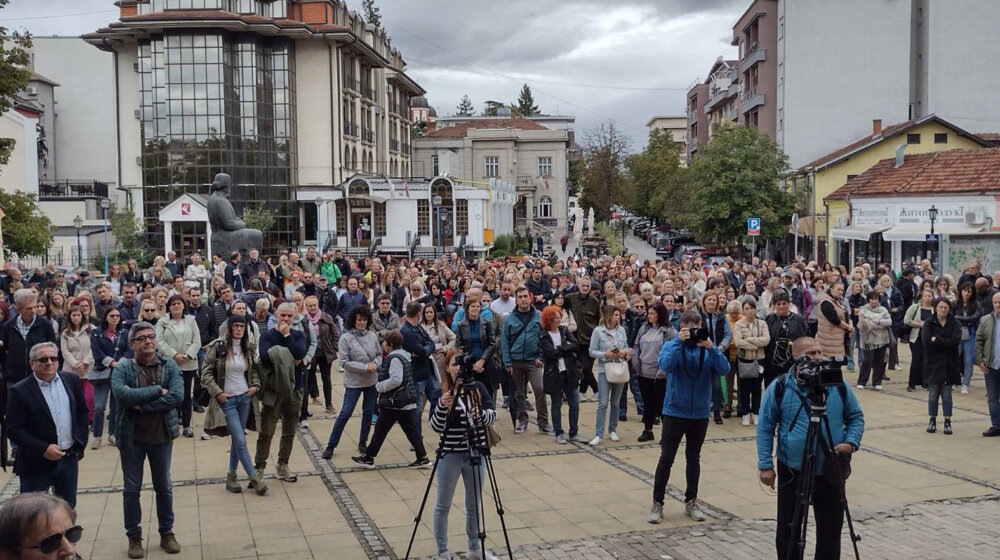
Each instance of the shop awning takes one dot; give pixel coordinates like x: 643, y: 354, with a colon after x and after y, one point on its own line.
x: 918, y: 232
x: 857, y: 233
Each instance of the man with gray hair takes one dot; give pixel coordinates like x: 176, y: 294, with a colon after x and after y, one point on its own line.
x: 149, y: 390
x: 18, y: 336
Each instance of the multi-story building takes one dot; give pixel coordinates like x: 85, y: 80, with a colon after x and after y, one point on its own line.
x: 697, y: 120
x: 518, y: 151
x: 288, y: 97
x: 676, y: 126
x: 756, y: 36
x: 723, y: 95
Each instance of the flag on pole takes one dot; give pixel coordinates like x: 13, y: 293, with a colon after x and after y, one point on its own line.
x: 406, y: 187
x: 546, y: 177
x: 392, y: 187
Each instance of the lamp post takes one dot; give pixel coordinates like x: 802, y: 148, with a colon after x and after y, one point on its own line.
x: 319, y: 231
x: 105, y: 204
x: 932, y: 214
x: 437, y: 221
x: 78, y: 224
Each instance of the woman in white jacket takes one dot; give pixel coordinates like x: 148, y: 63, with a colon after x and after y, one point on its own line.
x: 74, y: 343
x: 874, y: 322
x: 178, y: 339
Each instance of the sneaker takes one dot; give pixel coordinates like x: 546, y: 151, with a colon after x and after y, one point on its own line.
x: 363, y: 448
x: 947, y: 426
x: 547, y: 431
x: 965, y: 389
x: 596, y: 441
x: 614, y: 436
x: 578, y: 439
x: 860, y: 387
x: 330, y: 409
x: 692, y: 510
x: 718, y: 417
x: 169, y: 544
x: 135, y: 548
x: 111, y: 440
x: 645, y: 436
x: 561, y: 439
x: 753, y: 417
x: 727, y: 413
x: 95, y: 443
x: 655, y: 514
x: 992, y: 431
x: 480, y: 555
x: 910, y: 388
x: 328, y: 452
x: 746, y: 420
x: 424, y: 463
x: 878, y: 388
x: 304, y: 425
x: 188, y: 432
x: 517, y: 430
x: 364, y: 461
x: 285, y: 474
x: 506, y: 403
x: 205, y: 436
x: 443, y: 556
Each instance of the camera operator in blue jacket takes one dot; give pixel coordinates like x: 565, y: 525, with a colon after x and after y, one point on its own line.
x: 691, y: 362
x: 790, y: 419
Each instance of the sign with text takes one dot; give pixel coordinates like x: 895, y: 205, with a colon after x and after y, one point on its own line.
x: 753, y: 226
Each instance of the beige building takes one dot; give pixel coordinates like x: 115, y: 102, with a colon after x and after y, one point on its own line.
x: 675, y: 125
x: 517, y: 151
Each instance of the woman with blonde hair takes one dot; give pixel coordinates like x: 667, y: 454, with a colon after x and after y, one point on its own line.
x: 734, y: 313
x: 750, y: 336
x: 608, y: 342
x: 161, y: 295
x: 179, y: 339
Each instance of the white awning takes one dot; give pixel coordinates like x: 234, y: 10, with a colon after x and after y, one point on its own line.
x: 857, y: 233
x: 919, y: 232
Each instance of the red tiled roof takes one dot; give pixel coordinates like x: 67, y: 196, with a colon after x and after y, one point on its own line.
x: 887, y: 132
x: 948, y: 173
x: 461, y: 130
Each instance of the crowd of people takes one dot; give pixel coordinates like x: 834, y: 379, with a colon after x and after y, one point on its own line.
x: 249, y: 342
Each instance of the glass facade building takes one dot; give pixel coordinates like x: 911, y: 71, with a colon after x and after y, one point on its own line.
x: 219, y: 103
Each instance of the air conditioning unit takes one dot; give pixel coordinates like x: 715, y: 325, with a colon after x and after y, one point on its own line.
x: 976, y: 217
x: 138, y: 160
x: 31, y: 92
x: 138, y: 114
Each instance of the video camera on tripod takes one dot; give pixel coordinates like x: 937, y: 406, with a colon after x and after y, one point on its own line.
x: 815, y: 376
x: 465, y: 372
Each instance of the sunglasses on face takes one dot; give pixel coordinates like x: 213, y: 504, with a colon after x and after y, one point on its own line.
x: 51, y: 543
x: 49, y: 359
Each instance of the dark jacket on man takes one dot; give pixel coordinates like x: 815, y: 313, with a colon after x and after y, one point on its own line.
x: 941, y: 361
x: 129, y: 313
x: 16, y: 347
x: 31, y: 427
x: 540, y: 288
x: 205, y: 317
x: 175, y: 267
x: 349, y: 301
x: 251, y: 268
x: 344, y: 265
x: 587, y: 312
x: 418, y: 343
x: 233, y: 277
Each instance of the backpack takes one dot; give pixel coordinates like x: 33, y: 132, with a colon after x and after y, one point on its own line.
x: 779, y: 391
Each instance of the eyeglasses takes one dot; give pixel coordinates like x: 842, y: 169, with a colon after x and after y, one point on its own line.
x: 51, y: 543
x: 144, y: 338
x: 49, y: 359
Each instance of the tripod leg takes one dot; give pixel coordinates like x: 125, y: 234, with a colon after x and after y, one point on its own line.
x: 831, y: 459
x: 800, y: 520
x: 495, y: 489
x: 423, y: 504
x: 477, y: 484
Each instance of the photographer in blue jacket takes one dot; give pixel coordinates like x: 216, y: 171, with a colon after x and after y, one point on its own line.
x: 790, y: 420
x: 691, y: 362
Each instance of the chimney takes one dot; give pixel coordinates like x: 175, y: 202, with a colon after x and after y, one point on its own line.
x: 876, y: 127
x: 899, y: 155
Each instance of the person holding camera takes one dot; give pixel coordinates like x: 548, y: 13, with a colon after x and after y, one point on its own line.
x: 453, y: 418
x: 691, y: 361
x: 782, y: 413
x: 751, y: 337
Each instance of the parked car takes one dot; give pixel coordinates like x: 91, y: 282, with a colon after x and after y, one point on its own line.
x: 713, y: 258
x: 675, y: 241
x: 687, y: 252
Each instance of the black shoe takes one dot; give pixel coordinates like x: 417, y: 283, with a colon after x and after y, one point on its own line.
x: 910, y: 388
x: 645, y: 436
x: 932, y: 426
x: 992, y: 431
x: 328, y: 452
x: 947, y: 426
x: 623, y: 418
x: 886, y: 378
x: 656, y: 421
x: 199, y: 409
x: 727, y: 413
x: 363, y: 447
x: 424, y: 463
x: 364, y: 461
x: 718, y: 417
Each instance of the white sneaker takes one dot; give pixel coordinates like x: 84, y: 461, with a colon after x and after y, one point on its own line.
x: 304, y: 425
x: 965, y: 389
x: 479, y: 555
x: 878, y: 388
x: 205, y: 436
x: 754, y: 418
x: 443, y: 556
x: 693, y: 511
x: 655, y: 514
x: 596, y: 441
x: 561, y: 439
x: 746, y: 420
x: 860, y: 387
x: 614, y: 436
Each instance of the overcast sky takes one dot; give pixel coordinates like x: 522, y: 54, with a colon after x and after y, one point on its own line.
x: 625, y: 60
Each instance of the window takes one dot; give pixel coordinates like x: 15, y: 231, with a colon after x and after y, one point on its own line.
x: 912, y: 138
x: 462, y: 216
x: 545, y: 167
x: 341, y: 206
x: 423, y: 217
x: 492, y: 166
x: 380, y: 219
x: 434, y: 164
x: 940, y: 137
x: 544, y: 207
x: 849, y: 177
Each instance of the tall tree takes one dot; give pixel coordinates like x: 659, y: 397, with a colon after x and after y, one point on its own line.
x: 657, y: 183
x: 14, y: 60
x: 28, y: 231
x: 465, y: 107
x: 605, y: 150
x: 525, y: 105
x: 493, y: 108
x: 373, y: 14
x: 736, y: 176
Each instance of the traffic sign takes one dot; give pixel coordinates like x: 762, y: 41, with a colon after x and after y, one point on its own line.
x: 753, y: 226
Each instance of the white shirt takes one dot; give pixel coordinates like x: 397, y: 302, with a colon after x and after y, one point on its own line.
x: 502, y: 307
x: 236, y: 377
x: 556, y: 341
x: 57, y: 399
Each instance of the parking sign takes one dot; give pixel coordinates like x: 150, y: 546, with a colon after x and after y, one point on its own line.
x: 753, y: 226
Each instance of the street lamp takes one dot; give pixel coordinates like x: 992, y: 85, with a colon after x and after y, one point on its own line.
x: 932, y: 214
x: 105, y: 204
x: 319, y: 232
x: 78, y: 224
x: 437, y: 221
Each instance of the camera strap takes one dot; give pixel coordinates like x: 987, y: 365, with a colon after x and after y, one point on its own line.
x: 701, y: 360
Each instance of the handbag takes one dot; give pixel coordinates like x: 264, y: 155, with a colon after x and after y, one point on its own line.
x: 748, y: 369
x: 616, y: 371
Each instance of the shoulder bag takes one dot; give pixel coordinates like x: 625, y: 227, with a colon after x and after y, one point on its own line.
x: 748, y: 369
x: 616, y: 371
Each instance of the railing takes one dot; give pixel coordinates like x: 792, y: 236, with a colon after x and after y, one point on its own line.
x: 394, y: 145
x: 748, y: 93
x: 352, y: 83
x: 368, y: 92
x: 351, y: 129
x: 72, y: 188
x: 368, y: 135
x: 405, y: 148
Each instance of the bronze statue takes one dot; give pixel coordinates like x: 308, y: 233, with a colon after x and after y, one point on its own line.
x: 229, y: 232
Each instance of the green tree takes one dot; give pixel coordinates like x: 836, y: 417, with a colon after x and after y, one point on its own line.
x: 14, y: 60
x: 603, y: 182
x: 492, y: 108
x: 735, y: 176
x: 373, y: 14
x: 465, y: 107
x: 26, y: 231
x: 575, y: 175
x: 525, y: 105
x: 656, y: 181
x: 128, y: 229
x: 258, y: 217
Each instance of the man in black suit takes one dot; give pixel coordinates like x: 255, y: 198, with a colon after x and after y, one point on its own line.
x: 19, y: 335
x: 47, y: 419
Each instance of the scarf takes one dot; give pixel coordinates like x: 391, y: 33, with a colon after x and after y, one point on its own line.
x: 314, y: 319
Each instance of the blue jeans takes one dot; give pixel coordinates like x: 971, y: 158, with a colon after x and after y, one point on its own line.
x: 993, y: 396
x: 62, y: 480
x: 159, y: 465
x: 607, y: 392
x: 572, y: 395
x: 450, y: 467
x: 237, y: 411
x: 853, y: 343
x: 934, y: 391
x: 351, y: 397
x: 633, y: 385
x: 102, y: 388
x: 967, y: 349
x: 426, y: 388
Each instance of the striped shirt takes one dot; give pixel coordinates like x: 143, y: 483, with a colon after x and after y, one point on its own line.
x: 454, y: 438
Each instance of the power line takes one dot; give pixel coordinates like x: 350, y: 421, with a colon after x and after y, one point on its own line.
x: 59, y: 16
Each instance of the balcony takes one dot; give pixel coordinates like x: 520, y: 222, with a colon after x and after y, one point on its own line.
x: 394, y: 145
x: 368, y: 135
x: 73, y: 189
x: 352, y: 84
x: 692, y: 115
x: 351, y: 129
x: 368, y: 92
x: 751, y: 99
x: 405, y: 148
x: 755, y: 55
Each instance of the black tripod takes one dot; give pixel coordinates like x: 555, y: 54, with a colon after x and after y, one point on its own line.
x: 464, y: 394
x: 819, y: 424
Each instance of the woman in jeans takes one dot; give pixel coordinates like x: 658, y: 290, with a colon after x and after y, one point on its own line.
x: 940, y: 336
x: 608, y: 343
x: 733, y: 314
x: 967, y: 313
x: 109, y: 344
x: 652, y: 335
x: 230, y: 374
x: 452, y: 419
x: 328, y: 335
x: 360, y: 357
x: 178, y: 339
x: 74, y: 344
x: 750, y: 336
x: 561, y: 376
x: 874, y: 324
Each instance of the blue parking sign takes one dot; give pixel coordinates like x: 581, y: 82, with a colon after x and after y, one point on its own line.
x: 753, y: 226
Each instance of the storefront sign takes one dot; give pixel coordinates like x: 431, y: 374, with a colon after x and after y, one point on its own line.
x: 915, y: 212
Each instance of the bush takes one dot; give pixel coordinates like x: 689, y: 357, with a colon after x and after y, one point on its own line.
x: 143, y: 257
x: 508, y: 246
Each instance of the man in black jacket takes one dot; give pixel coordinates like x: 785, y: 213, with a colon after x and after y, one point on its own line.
x: 906, y: 288
x: 47, y: 420
x: 253, y: 266
x: 309, y: 287
x: 226, y: 300
x: 208, y: 331
x: 340, y: 262
x: 418, y: 343
x: 130, y: 305
x: 784, y: 328
x: 233, y: 277
x: 540, y: 290
x: 19, y: 335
